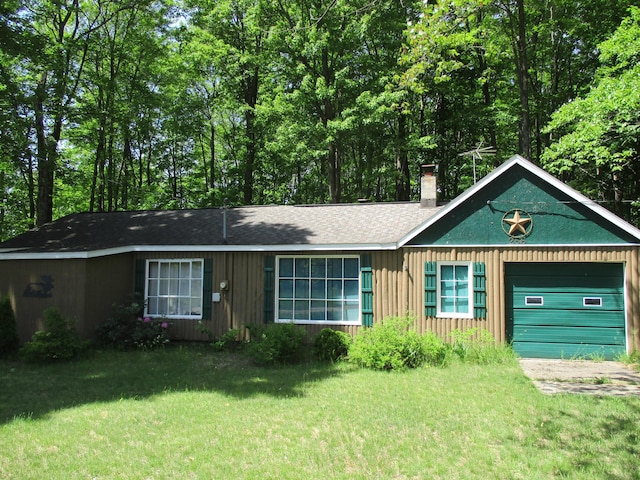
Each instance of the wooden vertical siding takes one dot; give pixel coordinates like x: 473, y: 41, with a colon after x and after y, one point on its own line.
x: 67, y: 295
x: 398, y: 282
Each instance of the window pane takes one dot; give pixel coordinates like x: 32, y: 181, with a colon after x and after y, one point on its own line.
x: 286, y: 267
x: 334, y: 311
x: 334, y: 268
x: 302, y: 288
x: 334, y: 289
x: 152, y: 307
x: 184, y: 287
x: 301, y: 310
x: 164, y: 287
x: 302, y: 267
x: 285, y: 310
x: 351, y: 289
x: 164, y: 270
x: 153, y: 288
x: 196, y: 287
x: 286, y: 288
x: 175, y: 270
x: 446, y: 272
x: 318, y: 268
x: 184, y: 306
x: 463, y: 305
x: 351, y: 311
x: 173, y: 287
x: 318, y: 310
x: 447, y: 305
x: 318, y: 289
x: 463, y: 290
x: 196, y: 306
x: 153, y: 269
x: 462, y: 272
x: 185, y: 270
x: 351, y: 268
x: 163, y: 307
x: 196, y: 269
x: 447, y: 289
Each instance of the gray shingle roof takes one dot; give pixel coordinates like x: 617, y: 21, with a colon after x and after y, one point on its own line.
x: 333, y: 226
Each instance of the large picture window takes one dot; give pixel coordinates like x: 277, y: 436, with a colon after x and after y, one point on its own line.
x: 318, y: 290
x: 455, y: 290
x: 174, y: 288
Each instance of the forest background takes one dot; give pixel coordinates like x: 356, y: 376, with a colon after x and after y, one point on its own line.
x: 153, y: 104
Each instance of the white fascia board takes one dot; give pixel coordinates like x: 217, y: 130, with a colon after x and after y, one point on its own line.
x: 506, y: 166
x: 18, y: 255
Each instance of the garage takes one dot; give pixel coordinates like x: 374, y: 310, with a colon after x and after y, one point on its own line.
x: 565, y: 310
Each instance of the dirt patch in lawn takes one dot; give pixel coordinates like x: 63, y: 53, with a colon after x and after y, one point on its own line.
x: 582, y: 376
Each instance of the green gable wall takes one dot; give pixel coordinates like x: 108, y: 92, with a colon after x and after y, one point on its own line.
x: 557, y: 218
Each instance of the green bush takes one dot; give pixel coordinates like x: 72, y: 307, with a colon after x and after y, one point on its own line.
x: 58, y: 341
x: 227, y: 341
x: 331, y: 345
x: 8, y: 336
x: 393, y: 344
x: 277, y: 343
x: 478, y: 346
x: 127, y: 329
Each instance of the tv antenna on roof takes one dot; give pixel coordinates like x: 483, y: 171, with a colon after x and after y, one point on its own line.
x: 476, y: 154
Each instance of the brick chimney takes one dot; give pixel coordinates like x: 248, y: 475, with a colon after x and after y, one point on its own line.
x: 428, y: 186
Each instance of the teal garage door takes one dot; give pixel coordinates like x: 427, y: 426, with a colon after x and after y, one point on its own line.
x: 565, y: 310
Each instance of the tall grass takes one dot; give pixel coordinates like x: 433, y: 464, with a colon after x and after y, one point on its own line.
x: 194, y: 413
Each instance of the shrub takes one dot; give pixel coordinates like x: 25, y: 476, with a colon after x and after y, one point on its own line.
x: 331, y: 344
x: 478, y: 346
x: 58, y: 341
x: 8, y: 336
x: 277, y: 343
x: 227, y: 341
x: 128, y: 330
x: 393, y: 344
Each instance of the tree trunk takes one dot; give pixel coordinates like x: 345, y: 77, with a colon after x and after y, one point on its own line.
x: 523, y: 83
x: 46, y: 165
x: 403, y: 176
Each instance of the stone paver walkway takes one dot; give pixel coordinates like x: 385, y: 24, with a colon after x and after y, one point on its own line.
x: 582, y: 377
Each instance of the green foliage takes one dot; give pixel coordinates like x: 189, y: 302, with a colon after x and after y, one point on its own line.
x: 331, y: 344
x: 8, y: 336
x: 128, y: 330
x: 58, y: 341
x: 478, y: 346
x: 393, y: 344
x: 277, y: 343
x: 227, y: 341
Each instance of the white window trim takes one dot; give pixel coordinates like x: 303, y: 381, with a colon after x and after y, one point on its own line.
x: 316, y: 322
x: 439, y: 312
x: 146, y: 287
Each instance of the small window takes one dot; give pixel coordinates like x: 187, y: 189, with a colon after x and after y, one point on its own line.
x: 455, y: 290
x: 592, y: 302
x: 537, y: 301
x: 174, y: 288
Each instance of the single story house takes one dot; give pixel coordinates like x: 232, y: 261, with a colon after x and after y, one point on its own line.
x: 519, y: 254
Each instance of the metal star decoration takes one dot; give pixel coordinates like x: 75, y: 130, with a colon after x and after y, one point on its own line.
x: 517, y: 223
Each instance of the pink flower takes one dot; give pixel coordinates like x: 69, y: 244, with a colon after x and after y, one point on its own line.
x: 164, y: 324
x: 147, y: 319
x: 139, y: 319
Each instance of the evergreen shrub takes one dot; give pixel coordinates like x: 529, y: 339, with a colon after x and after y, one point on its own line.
x: 276, y: 343
x: 331, y: 345
x: 58, y: 341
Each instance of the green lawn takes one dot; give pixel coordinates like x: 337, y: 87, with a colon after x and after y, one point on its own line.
x: 192, y: 413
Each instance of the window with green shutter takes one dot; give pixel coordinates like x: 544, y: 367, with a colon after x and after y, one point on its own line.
x: 454, y: 289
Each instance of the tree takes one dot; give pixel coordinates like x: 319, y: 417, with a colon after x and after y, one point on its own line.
x: 597, y: 137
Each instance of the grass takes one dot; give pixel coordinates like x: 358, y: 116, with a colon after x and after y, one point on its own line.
x: 193, y: 413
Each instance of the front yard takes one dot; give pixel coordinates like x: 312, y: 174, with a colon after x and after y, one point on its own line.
x: 193, y: 413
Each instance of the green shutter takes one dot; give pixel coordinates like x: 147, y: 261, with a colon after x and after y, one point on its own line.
x: 269, y: 288
x: 366, y: 281
x: 207, y: 289
x: 139, y: 278
x: 430, y: 289
x: 479, y: 291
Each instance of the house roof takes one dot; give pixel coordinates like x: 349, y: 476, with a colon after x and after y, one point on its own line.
x: 365, y: 226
